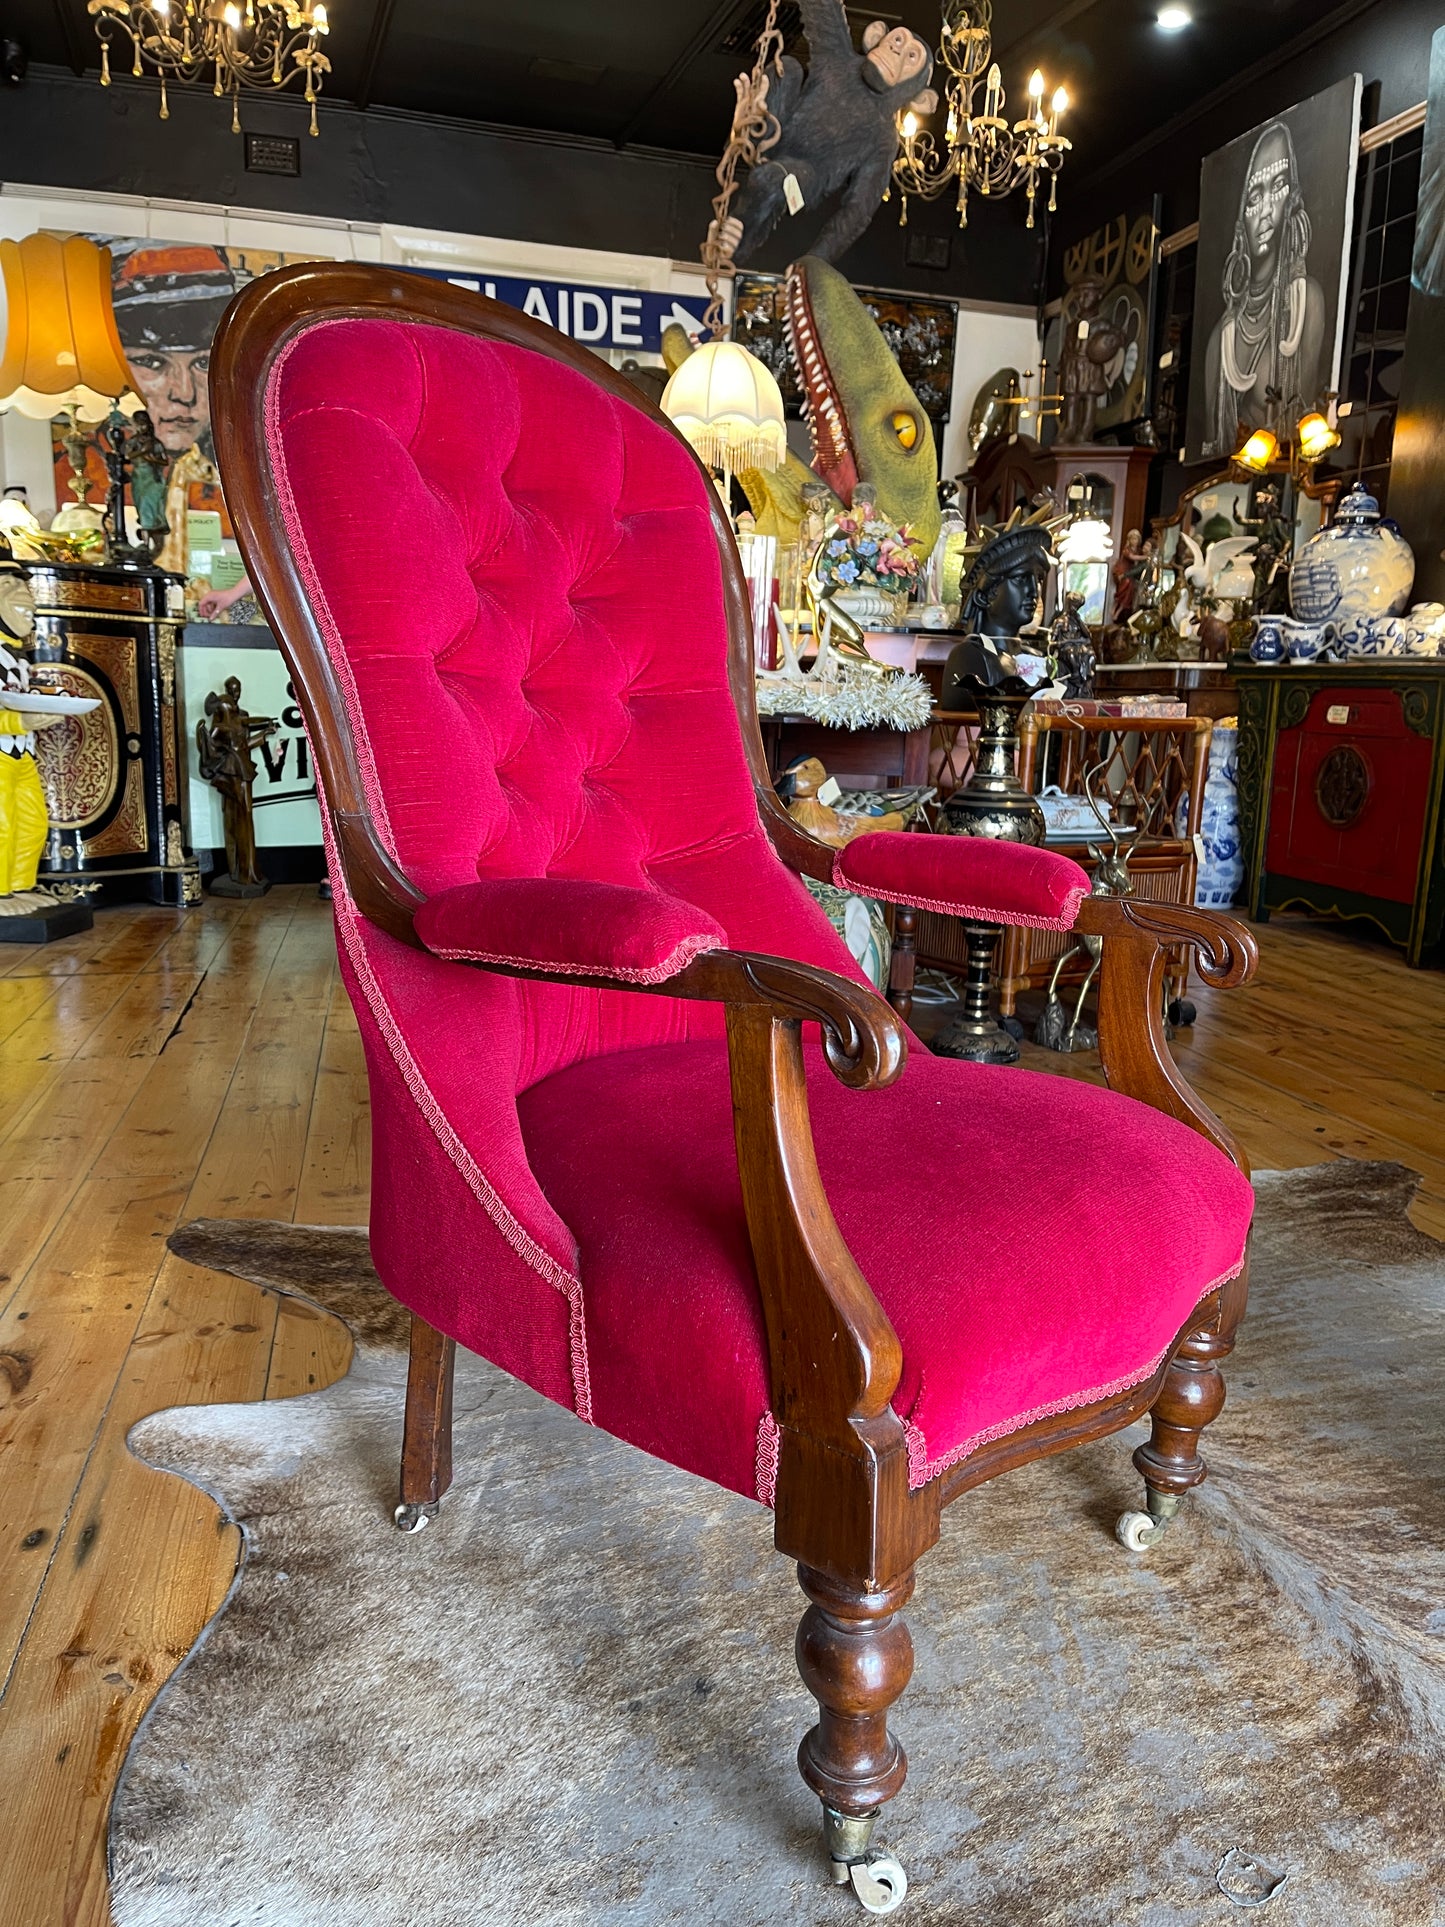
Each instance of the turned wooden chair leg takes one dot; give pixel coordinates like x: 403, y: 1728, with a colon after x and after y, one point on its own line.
x: 426, y: 1451
x: 856, y: 1656
x: 1191, y: 1397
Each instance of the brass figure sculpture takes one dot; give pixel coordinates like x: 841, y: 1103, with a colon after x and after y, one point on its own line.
x: 224, y: 741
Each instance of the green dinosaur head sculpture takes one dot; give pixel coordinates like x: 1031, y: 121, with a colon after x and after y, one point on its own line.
x: 866, y: 422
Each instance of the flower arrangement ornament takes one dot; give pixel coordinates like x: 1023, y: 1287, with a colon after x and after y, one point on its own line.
x: 862, y: 550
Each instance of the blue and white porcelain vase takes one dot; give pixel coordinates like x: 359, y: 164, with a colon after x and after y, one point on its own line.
x: 1221, y: 867
x: 1358, y: 568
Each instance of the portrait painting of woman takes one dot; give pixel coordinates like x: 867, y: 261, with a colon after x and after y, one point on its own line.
x: 1274, y: 233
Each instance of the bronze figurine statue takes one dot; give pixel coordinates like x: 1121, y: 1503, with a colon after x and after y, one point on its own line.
x: 224, y: 741
x: 1072, y: 649
x: 149, y: 474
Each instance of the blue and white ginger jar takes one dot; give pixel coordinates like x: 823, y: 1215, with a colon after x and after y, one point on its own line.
x: 1357, y: 568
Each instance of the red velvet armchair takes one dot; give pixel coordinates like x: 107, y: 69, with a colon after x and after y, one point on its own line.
x: 600, y: 1008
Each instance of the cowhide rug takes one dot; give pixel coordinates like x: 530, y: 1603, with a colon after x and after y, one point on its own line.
x: 573, y: 1698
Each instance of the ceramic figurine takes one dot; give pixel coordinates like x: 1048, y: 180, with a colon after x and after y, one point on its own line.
x: 224, y: 741
x: 815, y: 813
x: 1072, y: 648
x: 1356, y: 568
x: 149, y: 463
x: 24, y: 818
x: 1273, y: 538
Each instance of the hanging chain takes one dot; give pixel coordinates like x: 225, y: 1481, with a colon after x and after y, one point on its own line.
x: 754, y: 130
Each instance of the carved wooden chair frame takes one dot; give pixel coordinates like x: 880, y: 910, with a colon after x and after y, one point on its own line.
x: 844, y: 1510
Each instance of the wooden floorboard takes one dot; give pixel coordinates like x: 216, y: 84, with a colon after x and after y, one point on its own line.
x: 169, y: 1065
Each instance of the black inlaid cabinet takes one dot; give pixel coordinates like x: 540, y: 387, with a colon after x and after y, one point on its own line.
x: 113, y: 777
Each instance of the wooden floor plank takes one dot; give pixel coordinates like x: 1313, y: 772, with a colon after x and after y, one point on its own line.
x: 252, y: 1166
x: 60, y: 1337
x: 141, y: 1565
x: 336, y: 1171
x: 165, y: 1065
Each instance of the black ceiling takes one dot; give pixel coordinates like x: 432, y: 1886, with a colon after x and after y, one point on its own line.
x: 658, y: 73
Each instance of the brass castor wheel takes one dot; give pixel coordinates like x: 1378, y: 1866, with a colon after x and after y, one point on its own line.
x: 414, y: 1518
x: 873, y: 1873
x: 1138, y: 1531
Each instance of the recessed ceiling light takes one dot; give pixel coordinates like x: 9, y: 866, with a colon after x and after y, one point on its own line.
x: 1174, y: 19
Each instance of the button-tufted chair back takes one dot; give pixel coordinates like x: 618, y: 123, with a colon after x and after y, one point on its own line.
x: 517, y: 580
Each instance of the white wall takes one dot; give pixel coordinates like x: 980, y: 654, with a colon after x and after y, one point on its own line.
x: 989, y: 338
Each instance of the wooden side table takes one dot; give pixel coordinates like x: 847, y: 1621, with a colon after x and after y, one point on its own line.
x: 1341, y: 775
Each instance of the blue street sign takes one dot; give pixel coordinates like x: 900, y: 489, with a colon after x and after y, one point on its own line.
x: 601, y: 317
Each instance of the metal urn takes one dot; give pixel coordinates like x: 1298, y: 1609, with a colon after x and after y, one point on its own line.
x: 992, y: 803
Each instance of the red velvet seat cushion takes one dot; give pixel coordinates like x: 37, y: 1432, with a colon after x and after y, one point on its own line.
x: 1038, y: 1243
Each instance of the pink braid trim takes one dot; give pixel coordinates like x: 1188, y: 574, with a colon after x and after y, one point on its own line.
x: 515, y: 1234
x: 335, y: 649
x: 990, y: 914
x: 476, y: 1180
x: 769, y: 1443
x: 921, y: 1468
x: 687, y: 949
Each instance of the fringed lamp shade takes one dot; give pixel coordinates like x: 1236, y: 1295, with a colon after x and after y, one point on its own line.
x: 729, y: 407
x: 61, y: 346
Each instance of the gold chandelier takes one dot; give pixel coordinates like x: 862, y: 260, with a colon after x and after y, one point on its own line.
x: 262, y: 44
x: 982, y: 152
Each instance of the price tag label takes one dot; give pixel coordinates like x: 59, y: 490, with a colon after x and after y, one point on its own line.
x: 1338, y: 713
x: 792, y: 193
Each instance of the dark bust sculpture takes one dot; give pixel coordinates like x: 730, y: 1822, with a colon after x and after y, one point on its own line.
x: 1000, y: 596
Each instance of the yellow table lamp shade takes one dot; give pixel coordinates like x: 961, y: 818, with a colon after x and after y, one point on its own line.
x: 61, y: 346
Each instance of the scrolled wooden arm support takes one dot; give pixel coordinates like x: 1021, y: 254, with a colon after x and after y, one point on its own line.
x: 1135, y: 1052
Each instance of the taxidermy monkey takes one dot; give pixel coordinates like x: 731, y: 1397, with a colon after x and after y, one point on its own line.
x: 837, y: 130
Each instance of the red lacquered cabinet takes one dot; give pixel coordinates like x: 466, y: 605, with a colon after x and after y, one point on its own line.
x: 1340, y: 778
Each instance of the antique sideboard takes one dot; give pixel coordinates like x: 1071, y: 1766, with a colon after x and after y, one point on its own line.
x: 112, y: 778
x: 1341, y: 771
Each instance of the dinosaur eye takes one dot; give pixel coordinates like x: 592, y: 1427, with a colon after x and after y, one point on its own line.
x: 905, y: 427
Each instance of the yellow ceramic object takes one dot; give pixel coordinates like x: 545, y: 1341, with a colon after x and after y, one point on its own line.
x: 23, y: 819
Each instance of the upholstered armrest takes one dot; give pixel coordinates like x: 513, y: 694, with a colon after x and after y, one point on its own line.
x: 965, y: 876
x: 569, y: 925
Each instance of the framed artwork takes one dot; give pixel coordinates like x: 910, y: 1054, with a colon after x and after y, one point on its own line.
x: 922, y: 334
x: 1275, y: 213
x: 1122, y: 256
x: 168, y: 300
x: 1417, y: 470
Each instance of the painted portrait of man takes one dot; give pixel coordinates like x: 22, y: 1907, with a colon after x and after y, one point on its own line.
x: 169, y: 297
x: 168, y: 304
x: 1275, y: 215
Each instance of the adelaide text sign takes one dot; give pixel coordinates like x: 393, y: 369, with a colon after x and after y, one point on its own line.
x: 600, y: 317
